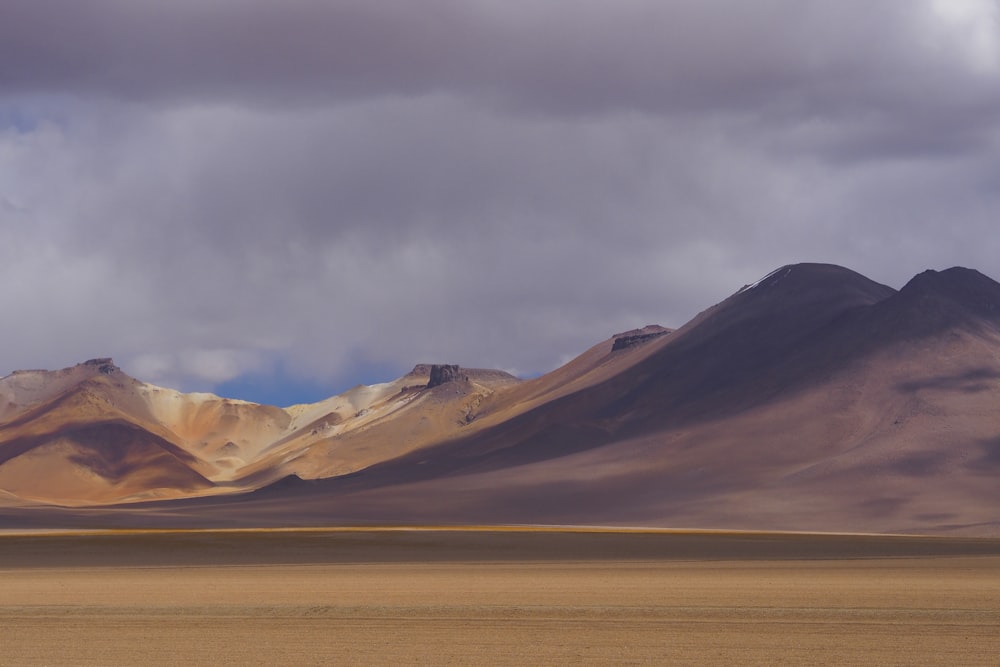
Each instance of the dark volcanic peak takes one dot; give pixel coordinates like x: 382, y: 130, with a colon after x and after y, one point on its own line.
x: 789, y: 304
x: 627, y: 339
x: 966, y: 286
x: 807, y: 281
x: 769, y: 338
x: 937, y: 301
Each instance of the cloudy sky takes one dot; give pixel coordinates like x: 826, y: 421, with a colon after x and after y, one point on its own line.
x: 278, y: 199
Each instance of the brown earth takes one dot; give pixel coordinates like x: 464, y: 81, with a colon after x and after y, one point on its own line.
x: 496, y: 597
x: 815, y: 399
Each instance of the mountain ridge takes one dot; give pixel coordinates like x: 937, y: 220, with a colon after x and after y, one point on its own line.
x: 813, y: 398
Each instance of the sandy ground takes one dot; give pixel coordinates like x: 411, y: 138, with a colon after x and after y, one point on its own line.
x: 495, y: 598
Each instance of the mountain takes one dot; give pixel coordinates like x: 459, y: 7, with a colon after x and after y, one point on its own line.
x: 813, y: 399
x: 91, y: 434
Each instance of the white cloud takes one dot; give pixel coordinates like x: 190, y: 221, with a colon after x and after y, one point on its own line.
x: 971, y: 28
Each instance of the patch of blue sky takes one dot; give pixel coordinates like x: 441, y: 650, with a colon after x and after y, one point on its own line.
x: 27, y: 113
x: 282, y: 388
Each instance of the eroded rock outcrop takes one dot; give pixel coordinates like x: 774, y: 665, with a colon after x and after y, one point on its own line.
x: 105, y: 365
x: 635, y: 336
x: 443, y: 373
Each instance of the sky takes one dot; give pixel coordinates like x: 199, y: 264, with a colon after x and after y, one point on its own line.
x: 277, y: 200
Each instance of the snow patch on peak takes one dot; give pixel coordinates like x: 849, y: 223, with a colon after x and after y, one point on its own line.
x: 770, y: 279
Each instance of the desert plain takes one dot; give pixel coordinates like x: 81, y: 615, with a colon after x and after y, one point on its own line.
x: 479, y: 595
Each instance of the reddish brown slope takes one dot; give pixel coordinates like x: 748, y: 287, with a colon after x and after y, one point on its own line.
x: 813, y: 400
x: 816, y: 400
x: 83, y: 447
x: 785, y: 332
x: 92, y: 435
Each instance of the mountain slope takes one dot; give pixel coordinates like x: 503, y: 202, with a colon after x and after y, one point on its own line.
x: 84, y: 439
x: 90, y: 434
x: 813, y: 399
x: 764, y: 340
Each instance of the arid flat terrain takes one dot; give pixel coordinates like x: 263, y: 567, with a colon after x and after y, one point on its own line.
x: 508, y: 596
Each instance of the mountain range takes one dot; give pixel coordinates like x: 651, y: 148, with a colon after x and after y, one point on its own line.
x: 814, y: 399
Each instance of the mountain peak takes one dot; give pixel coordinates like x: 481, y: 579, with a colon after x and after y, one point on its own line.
x: 957, y: 292
x: 24, y: 388
x: 814, y: 398
x: 955, y: 281
x: 810, y: 294
x: 104, y: 365
x: 444, y: 373
x: 810, y: 276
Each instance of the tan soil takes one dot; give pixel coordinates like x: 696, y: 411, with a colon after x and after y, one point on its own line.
x: 173, y: 599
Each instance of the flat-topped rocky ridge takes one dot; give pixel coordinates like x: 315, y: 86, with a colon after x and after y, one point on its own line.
x: 633, y: 337
x: 438, y: 374
x: 105, y: 365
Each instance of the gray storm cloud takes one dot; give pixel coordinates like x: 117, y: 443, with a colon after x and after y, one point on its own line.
x: 200, y: 189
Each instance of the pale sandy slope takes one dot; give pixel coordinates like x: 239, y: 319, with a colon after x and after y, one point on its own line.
x: 91, y: 434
